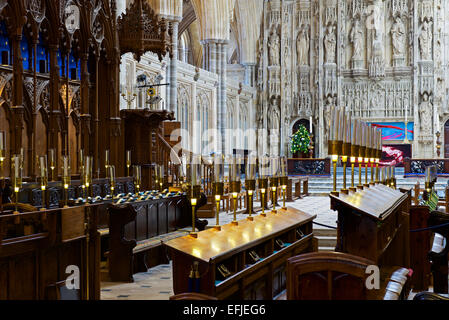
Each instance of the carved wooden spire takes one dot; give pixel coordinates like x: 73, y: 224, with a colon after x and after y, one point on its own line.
x: 141, y: 31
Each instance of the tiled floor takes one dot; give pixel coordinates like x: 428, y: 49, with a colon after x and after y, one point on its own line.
x: 157, y: 284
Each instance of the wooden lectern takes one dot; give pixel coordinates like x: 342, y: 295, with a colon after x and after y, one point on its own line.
x: 143, y: 132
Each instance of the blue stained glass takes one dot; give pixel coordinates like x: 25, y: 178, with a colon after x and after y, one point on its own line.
x: 25, y: 51
x: 5, y: 44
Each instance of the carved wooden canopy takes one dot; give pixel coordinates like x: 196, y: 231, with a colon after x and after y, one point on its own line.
x: 141, y: 31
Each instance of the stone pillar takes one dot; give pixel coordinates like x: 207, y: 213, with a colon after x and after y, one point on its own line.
x: 222, y: 108
x: 173, y: 71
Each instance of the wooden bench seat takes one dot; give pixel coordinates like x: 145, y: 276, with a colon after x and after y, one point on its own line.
x: 138, y: 230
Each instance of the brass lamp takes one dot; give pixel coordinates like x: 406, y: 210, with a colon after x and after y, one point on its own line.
x: 107, y: 161
x: 17, y: 179
x: 44, y: 180
x: 274, y: 181
x: 354, y: 150
x: 372, y: 152
x: 137, y: 176
x: 378, y: 154
x: 111, y: 170
x: 346, y: 148
x: 162, y: 177
x: 263, y: 181
x: 367, y: 154
x: 388, y: 176
x: 52, y: 160
x: 393, y: 177
x: 128, y: 162
x: 284, y: 179
x: 335, y: 145
x: 195, y: 189
x: 362, y: 147
x: 250, y: 183
x: 236, y: 184
x: 218, y: 163
x: 87, y: 179
x: 66, y: 178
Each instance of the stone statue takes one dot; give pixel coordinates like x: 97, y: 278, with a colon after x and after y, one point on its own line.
x: 356, y: 37
x: 330, y: 44
x: 425, y: 42
x: 398, y: 36
x: 327, y: 116
x: 425, y: 113
x: 273, y: 48
x: 302, y: 47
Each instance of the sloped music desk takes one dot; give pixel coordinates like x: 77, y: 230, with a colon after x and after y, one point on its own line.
x: 374, y: 223
x: 233, y: 247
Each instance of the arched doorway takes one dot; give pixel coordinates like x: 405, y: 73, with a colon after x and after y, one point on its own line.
x: 446, y: 139
x: 305, y: 123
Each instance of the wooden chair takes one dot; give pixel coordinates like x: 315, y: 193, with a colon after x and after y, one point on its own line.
x: 338, y: 276
x: 192, y: 296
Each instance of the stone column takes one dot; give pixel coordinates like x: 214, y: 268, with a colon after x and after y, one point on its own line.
x: 173, y: 70
x: 223, y: 107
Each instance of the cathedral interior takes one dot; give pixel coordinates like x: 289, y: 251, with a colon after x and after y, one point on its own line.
x: 224, y: 150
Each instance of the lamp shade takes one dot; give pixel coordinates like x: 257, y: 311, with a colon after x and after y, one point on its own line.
x: 251, y: 167
x: 264, y: 164
x: 283, y: 166
x: 218, y: 167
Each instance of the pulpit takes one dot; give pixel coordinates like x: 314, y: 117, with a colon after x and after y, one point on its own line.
x: 143, y: 132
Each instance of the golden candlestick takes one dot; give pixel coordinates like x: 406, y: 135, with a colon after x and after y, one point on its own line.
x: 128, y: 161
x: 372, y: 170
x: 284, y: 183
x: 250, y: 186
x: 273, y: 200
x: 218, y: 191
x: 235, y: 190
x: 217, y: 214
x: 262, y: 193
x: 193, y: 234
x: 250, y: 207
x: 335, y: 148
x: 284, y: 191
x: 52, y: 163
x: 274, y: 182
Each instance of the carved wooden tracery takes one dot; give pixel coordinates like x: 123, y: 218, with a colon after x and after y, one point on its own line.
x: 141, y: 31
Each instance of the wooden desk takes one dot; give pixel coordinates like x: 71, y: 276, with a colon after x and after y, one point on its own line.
x: 231, y: 247
x: 373, y: 223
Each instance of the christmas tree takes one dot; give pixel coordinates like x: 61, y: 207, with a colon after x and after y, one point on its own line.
x: 301, y: 140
